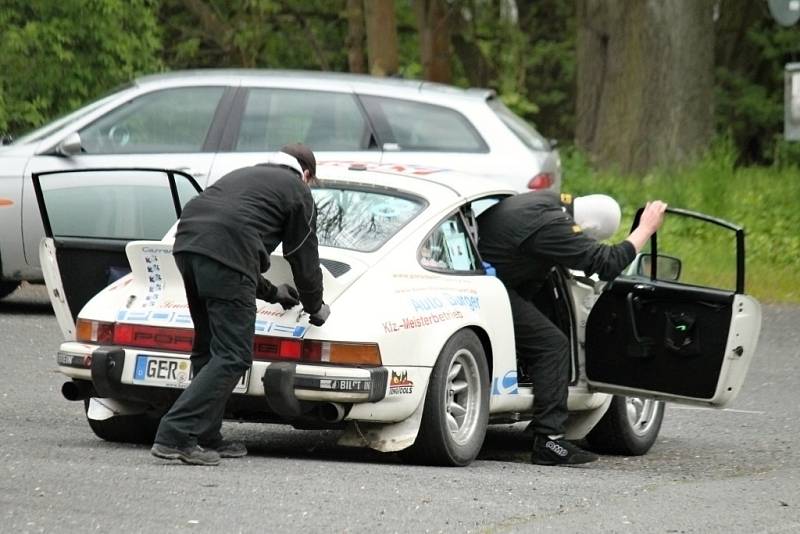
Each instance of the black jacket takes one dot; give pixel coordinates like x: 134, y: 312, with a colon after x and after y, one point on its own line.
x: 241, y: 218
x: 525, y: 235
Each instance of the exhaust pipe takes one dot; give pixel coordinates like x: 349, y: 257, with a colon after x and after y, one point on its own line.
x: 331, y: 412
x: 76, y: 390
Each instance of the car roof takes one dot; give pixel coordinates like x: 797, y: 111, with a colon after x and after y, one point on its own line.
x: 436, y: 185
x: 341, y: 81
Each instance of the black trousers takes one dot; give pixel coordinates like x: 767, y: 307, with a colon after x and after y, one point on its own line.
x: 545, y: 350
x: 222, y: 304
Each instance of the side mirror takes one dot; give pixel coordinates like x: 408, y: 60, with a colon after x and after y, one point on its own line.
x: 667, y: 267
x: 6, y: 139
x: 70, y: 146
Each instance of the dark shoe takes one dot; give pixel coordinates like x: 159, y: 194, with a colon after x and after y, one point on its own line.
x: 196, y: 455
x: 229, y: 449
x: 548, y: 451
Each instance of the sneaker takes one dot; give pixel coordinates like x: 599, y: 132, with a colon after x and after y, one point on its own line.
x: 196, y: 455
x: 548, y: 451
x: 229, y: 449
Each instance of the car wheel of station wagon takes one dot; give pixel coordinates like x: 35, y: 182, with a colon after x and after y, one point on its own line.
x: 629, y: 427
x: 456, y: 409
x: 125, y: 428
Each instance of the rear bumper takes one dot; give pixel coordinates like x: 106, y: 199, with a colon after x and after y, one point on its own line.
x: 117, y: 372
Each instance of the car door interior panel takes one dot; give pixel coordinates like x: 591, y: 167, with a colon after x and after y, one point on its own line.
x: 660, y: 341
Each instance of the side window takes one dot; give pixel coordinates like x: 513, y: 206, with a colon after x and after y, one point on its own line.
x: 168, y: 121
x: 113, y: 204
x: 426, y: 127
x: 321, y: 120
x: 449, y: 247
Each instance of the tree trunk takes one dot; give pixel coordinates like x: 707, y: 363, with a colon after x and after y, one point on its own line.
x: 381, y: 37
x: 477, y: 67
x: 356, y: 36
x: 433, y: 21
x: 645, y: 82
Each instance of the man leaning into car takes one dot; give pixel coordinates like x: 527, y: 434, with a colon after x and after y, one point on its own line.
x: 223, y: 242
x: 524, y: 237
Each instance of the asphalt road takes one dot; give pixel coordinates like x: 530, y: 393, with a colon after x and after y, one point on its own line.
x: 736, y: 470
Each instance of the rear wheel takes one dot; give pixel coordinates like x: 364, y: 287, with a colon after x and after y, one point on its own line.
x: 7, y: 287
x: 629, y: 427
x: 140, y: 428
x: 456, y: 410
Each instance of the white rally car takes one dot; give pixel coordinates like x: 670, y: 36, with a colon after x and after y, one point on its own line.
x: 418, y: 354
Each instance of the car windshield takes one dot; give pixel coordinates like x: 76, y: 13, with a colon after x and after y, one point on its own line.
x: 524, y: 131
x: 43, y: 131
x: 360, y: 219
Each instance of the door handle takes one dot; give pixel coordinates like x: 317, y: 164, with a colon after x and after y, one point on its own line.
x: 643, y: 344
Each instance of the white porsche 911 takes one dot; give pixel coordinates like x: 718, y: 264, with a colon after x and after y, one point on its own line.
x: 418, y: 353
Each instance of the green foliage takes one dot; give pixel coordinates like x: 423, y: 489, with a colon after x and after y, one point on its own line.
x: 749, y: 92
x: 58, y: 55
x: 255, y: 33
x: 757, y: 198
x: 531, y: 56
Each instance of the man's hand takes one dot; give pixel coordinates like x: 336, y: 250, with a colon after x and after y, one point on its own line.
x: 651, y: 220
x: 319, y: 317
x: 286, y: 296
x: 653, y: 216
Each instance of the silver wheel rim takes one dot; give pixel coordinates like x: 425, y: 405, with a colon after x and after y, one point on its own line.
x: 642, y: 414
x: 462, y: 396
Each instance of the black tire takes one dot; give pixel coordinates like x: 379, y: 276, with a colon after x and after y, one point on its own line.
x: 7, y: 287
x: 628, y: 428
x: 139, y: 429
x: 456, y: 411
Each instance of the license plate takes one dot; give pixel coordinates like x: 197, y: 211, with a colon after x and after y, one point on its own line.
x: 163, y: 371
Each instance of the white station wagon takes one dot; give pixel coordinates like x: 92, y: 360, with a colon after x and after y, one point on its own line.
x: 418, y: 354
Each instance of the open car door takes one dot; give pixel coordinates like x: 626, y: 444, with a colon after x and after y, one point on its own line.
x: 661, y: 334
x: 89, y: 216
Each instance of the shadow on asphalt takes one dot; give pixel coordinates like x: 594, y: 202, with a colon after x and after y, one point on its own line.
x: 25, y: 307
x: 29, y: 299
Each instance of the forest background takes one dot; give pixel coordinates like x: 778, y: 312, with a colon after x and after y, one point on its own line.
x: 675, y: 99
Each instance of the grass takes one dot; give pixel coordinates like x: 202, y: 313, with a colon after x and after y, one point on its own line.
x: 763, y: 200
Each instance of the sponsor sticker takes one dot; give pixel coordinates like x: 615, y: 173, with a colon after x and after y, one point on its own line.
x: 506, y: 384
x: 399, y: 384
x: 344, y: 384
x: 419, y: 321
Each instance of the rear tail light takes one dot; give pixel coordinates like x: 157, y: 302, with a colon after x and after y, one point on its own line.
x: 277, y: 348
x: 154, y: 337
x: 94, y: 331
x: 542, y: 180
x: 265, y: 348
x: 342, y: 353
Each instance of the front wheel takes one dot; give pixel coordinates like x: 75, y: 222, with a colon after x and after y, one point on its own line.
x: 140, y: 428
x: 629, y: 427
x: 456, y: 411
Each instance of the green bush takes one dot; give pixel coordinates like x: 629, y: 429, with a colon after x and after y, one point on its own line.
x: 761, y: 199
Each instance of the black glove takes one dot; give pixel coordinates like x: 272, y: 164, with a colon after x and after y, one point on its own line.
x: 286, y: 296
x: 319, y: 317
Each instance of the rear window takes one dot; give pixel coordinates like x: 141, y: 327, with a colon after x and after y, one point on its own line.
x: 360, y: 219
x: 524, y: 131
x: 409, y: 125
